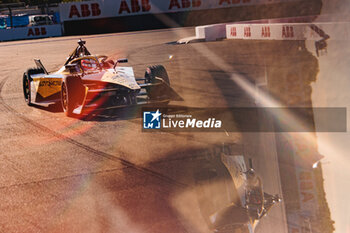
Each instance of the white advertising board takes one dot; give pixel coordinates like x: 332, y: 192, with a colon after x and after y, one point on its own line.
x: 290, y: 31
x: 270, y: 31
x: 114, y: 8
x: 30, y: 32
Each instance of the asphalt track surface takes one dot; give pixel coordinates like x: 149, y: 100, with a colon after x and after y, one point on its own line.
x: 102, y: 173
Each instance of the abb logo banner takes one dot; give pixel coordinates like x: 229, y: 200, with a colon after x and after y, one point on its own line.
x: 265, y: 32
x: 85, y: 10
x: 287, y: 32
x: 80, y: 10
x: 233, y: 32
x: 134, y: 6
x: 270, y: 31
x: 38, y: 31
x: 112, y: 8
x: 42, y: 31
x: 247, y: 32
x: 30, y: 32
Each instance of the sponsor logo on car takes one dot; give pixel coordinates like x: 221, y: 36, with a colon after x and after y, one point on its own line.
x: 50, y: 83
x: 47, y: 86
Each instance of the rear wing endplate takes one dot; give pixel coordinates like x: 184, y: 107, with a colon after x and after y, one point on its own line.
x: 40, y: 65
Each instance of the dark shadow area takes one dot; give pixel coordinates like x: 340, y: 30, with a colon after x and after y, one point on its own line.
x: 172, y: 43
x: 215, y: 178
x: 285, y: 71
x: 115, y: 114
x: 288, y: 70
x: 126, y: 113
x: 200, y: 172
x: 51, y: 108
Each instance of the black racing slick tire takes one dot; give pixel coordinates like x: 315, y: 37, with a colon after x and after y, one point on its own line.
x: 70, y: 95
x: 26, y: 89
x: 159, y: 91
x: 156, y: 71
x: 27, y: 83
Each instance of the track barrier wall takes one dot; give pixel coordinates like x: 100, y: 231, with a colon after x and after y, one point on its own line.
x: 90, y: 17
x: 30, y: 32
x: 272, y: 31
x: 114, y: 8
x: 302, y: 31
x: 108, y: 16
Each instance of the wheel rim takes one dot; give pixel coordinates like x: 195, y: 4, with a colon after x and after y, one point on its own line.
x: 64, y: 98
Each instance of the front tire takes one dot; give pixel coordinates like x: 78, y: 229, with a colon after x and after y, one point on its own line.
x: 27, y: 83
x: 26, y: 89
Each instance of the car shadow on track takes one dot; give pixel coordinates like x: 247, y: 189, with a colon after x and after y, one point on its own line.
x: 51, y: 108
x: 127, y: 113
x: 132, y: 112
x: 113, y: 114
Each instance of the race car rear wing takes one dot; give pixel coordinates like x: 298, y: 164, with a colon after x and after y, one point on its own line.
x: 40, y: 65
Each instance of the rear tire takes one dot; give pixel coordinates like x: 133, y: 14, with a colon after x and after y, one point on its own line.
x: 70, y: 93
x: 151, y: 73
x: 26, y: 83
x: 156, y: 71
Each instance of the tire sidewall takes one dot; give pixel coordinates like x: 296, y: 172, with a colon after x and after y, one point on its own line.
x: 27, y: 96
x: 156, y: 71
x: 25, y: 82
x: 68, y: 108
x: 73, y: 88
x: 27, y: 78
x: 150, y: 75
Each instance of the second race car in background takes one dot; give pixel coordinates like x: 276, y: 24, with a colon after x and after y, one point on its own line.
x: 230, y: 196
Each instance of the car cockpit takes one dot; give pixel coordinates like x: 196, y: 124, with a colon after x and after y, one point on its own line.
x: 79, y: 51
x: 81, y: 61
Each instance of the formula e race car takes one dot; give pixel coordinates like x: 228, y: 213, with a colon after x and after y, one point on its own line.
x: 231, y: 197
x: 88, y: 83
